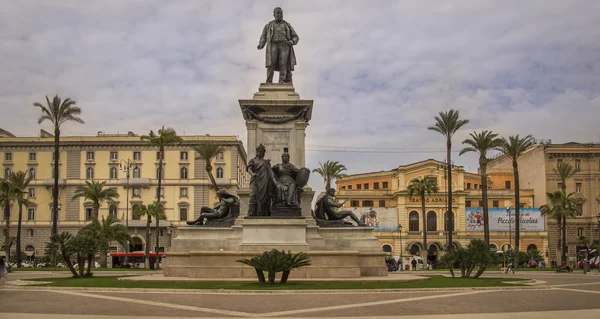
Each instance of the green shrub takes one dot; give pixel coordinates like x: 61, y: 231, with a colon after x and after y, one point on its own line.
x: 275, y: 261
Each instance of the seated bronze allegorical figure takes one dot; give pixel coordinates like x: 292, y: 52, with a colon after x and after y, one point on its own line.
x: 223, y: 214
x: 327, y: 215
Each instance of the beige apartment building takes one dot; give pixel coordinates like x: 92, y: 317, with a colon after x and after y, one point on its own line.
x: 105, y: 158
x: 536, y: 171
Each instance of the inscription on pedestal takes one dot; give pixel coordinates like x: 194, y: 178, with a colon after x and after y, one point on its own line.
x: 275, y: 142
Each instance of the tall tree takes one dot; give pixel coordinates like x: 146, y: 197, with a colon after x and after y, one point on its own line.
x: 58, y: 112
x: 165, y: 137
x: 421, y: 187
x: 447, y: 123
x: 61, y: 244
x: 95, y: 192
x: 330, y: 170
x: 109, y: 229
x: 149, y: 211
x: 20, y: 181
x: 8, y: 195
x: 482, y: 143
x: 513, y: 148
x: 560, y: 206
x: 207, y: 151
x: 564, y: 171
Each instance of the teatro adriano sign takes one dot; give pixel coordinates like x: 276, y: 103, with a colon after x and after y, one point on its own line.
x: 432, y: 200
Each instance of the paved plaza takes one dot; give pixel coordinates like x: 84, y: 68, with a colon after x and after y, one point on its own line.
x: 552, y: 296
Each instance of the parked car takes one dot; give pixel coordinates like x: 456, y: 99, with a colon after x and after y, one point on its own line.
x: 44, y: 265
x: 27, y: 264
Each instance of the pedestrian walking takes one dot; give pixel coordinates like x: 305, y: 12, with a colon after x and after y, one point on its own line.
x: 509, y: 267
x: 414, y: 264
x: 3, y: 268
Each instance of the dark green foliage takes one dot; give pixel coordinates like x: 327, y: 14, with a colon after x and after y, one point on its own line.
x: 275, y: 261
x: 476, y: 255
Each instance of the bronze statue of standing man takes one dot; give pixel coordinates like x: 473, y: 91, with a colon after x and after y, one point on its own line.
x: 280, y: 37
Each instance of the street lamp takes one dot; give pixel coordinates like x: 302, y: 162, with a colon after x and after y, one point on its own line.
x: 509, y: 230
x: 125, y: 165
x: 400, y: 237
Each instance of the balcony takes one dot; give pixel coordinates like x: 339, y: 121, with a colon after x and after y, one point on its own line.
x: 136, y: 182
x: 49, y: 182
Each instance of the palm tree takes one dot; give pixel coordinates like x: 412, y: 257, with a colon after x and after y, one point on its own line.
x: 8, y: 195
x: 61, y: 245
x: 420, y: 187
x: 447, y: 123
x: 151, y: 210
x: 110, y: 229
x: 513, y: 148
x: 207, y: 151
x: 58, y: 112
x: 20, y: 181
x: 85, y: 245
x: 95, y: 192
x: 165, y: 137
x: 482, y: 143
x: 564, y: 172
x: 560, y: 207
x: 330, y: 170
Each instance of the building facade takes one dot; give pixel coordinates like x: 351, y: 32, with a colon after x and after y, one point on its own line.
x: 536, y: 171
x: 185, y: 183
x: 389, y: 189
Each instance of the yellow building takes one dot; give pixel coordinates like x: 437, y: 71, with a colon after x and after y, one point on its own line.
x: 185, y: 184
x: 536, y: 171
x: 388, y: 189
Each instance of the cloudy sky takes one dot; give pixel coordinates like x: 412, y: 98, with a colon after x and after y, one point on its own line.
x: 379, y: 71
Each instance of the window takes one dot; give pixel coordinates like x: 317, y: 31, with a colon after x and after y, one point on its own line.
x: 54, y: 156
x: 580, y: 232
x: 113, y: 173
x: 7, y: 173
x: 474, y: 186
x: 560, y: 185
x: 133, y: 209
x: 162, y: 192
x: 183, y: 192
x: 358, y: 186
x: 54, y: 173
x: 183, y: 156
x: 366, y: 185
x: 32, y: 157
x: 112, y: 210
x: 367, y: 203
x: 219, y: 172
x: 354, y: 203
x: 495, y: 203
x: 136, y: 172
x: 480, y: 203
x: 158, y: 156
x: 183, y: 213
x: 559, y: 162
x: 577, y: 164
x: 468, y: 185
x: 220, y: 156
x: 413, y: 221
x: 431, y: 179
x: 343, y: 187
x: 183, y: 173
x: 30, y: 213
x: 375, y: 185
x: 382, y: 203
x: 137, y: 156
x: 577, y: 187
x: 349, y: 187
x: 431, y: 221
x: 449, y: 221
x: 507, y: 184
x: 30, y: 233
x: 114, y: 156
x: 88, y: 213
x: 31, y: 192
x: 137, y: 192
x: 32, y: 173
x: 531, y: 248
x: 467, y: 203
x: 579, y: 209
x: 160, y: 173
x: 90, y: 156
x: 89, y: 173
x: 8, y: 156
x: 384, y: 185
x: 52, y: 192
x: 521, y: 205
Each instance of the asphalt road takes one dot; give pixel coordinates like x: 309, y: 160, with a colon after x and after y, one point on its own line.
x: 556, y: 295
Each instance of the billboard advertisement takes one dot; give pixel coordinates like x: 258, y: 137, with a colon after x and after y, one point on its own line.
x: 502, y: 220
x: 384, y: 219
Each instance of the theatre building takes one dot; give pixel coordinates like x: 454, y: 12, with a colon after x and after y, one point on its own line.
x: 386, y: 193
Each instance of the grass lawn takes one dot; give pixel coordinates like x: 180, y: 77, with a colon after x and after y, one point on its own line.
x: 15, y: 269
x: 431, y: 282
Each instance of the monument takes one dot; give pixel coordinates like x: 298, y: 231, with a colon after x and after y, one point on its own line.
x: 274, y: 210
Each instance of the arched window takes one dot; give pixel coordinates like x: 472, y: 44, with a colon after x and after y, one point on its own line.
x: 183, y: 173
x: 112, y: 210
x: 136, y: 172
x: 113, y: 173
x: 387, y: 249
x: 493, y: 247
x: 506, y: 247
x: 133, y: 216
x: 431, y: 221
x: 531, y: 248
x: 219, y: 172
x: 7, y: 173
x: 415, y: 250
x: 89, y: 173
x: 448, y: 226
x: 32, y: 173
x: 413, y: 221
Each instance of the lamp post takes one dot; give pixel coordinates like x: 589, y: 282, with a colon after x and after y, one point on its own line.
x: 400, y: 237
x: 509, y: 230
x: 598, y: 246
x: 125, y: 165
